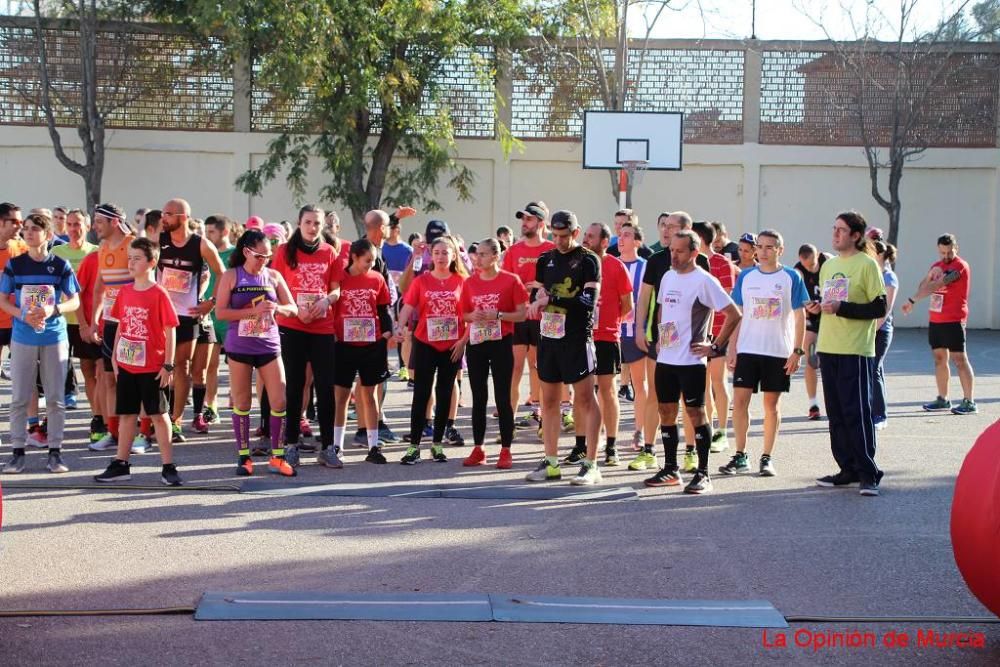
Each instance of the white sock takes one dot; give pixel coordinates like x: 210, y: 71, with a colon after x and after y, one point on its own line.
x: 372, y: 438
x: 812, y: 401
x: 338, y: 437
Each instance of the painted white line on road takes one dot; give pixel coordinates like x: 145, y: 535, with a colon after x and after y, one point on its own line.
x: 639, y: 607
x: 359, y: 602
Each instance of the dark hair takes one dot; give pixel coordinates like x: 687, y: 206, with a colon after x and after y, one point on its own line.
x: 413, y: 237
x: 857, y: 224
x: 110, y: 210
x: 947, y: 239
x: 39, y: 220
x: 694, y: 241
x: 492, y: 243
x: 292, y: 246
x: 358, y: 248
x: 219, y: 221
x: 605, y: 230
x: 685, y: 218
x: 61, y: 209
x: 807, y: 250
x: 705, y: 231
x: 886, y: 249
x: 6, y: 208
x: 250, y: 238
x: 665, y: 214
x: 148, y: 247
x: 636, y: 230
x: 153, y: 218
x: 456, y: 266
x: 504, y: 229
x: 628, y: 213
x: 720, y: 229
x: 772, y: 234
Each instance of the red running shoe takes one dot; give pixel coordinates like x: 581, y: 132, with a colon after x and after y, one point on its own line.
x: 506, y: 461
x: 476, y: 458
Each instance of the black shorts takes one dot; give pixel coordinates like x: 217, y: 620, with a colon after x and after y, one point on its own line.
x: 370, y: 362
x: 761, y: 372
x: 206, y: 333
x: 567, y: 360
x: 672, y: 381
x: 947, y: 335
x: 108, y: 333
x: 78, y: 347
x: 609, y: 358
x: 5, y: 337
x: 254, y: 360
x: 630, y: 351
x: 187, y: 330
x: 139, y: 390
x: 527, y: 332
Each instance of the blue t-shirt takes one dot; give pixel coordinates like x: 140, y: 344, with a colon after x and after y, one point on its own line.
x: 890, y: 280
x: 397, y: 256
x: 49, y: 280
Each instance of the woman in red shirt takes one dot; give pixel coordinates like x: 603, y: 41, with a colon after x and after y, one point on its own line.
x: 492, y: 302
x: 438, y: 342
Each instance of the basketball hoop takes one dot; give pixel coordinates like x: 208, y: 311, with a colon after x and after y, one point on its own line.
x: 631, y: 171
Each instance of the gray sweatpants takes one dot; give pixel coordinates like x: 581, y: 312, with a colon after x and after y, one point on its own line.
x: 25, y: 361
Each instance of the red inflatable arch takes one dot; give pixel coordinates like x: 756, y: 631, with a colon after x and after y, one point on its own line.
x: 975, y: 519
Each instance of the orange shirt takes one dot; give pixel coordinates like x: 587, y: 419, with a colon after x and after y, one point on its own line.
x: 14, y: 247
x: 113, y: 265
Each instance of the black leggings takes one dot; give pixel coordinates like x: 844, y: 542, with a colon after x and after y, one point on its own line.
x: 427, y: 361
x: 298, y: 349
x: 496, y: 356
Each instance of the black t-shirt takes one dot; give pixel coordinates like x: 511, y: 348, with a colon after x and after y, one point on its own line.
x: 812, y: 284
x: 657, y: 267
x: 563, y: 275
x: 733, y: 250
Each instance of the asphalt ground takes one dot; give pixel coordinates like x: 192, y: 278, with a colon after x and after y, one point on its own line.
x: 809, y: 551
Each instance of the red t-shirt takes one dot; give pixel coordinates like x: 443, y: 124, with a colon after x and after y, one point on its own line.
x: 143, y: 316
x: 725, y: 272
x: 520, y: 259
x: 504, y: 293
x: 951, y: 302
x: 615, y: 284
x: 87, y: 276
x: 311, y: 280
x: 436, y: 301
x: 13, y: 248
x: 356, y: 311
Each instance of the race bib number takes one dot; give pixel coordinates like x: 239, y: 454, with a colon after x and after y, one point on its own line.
x: 835, y: 289
x: 937, y: 303
x: 395, y: 275
x: 669, y: 335
x: 442, y: 328
x: 131, y: 352
x: 480, y: 332
x: 37, y: 296
x: 553, y: 325
x: 176, y: 281
x: 306, y: 300
x: 110, y: 296
x: 255, y: 326
x: 359, y: 329
x: 766, y: 308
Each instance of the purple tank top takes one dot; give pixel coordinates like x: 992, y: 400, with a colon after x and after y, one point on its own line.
x: 254, y: 334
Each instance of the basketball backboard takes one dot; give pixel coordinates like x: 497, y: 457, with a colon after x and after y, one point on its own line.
x: 613, y: 137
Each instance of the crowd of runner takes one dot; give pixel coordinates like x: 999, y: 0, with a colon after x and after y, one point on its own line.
x: 307, y: 322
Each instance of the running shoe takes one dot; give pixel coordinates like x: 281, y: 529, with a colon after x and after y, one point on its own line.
x: 117, y: 471
x: 453, y: 437
x: 628, y: 395
x: 360, y: 439
x: 210, y: 415
x: 567, y: 422
x: 70, y: 401
x: 305, y: 430
x: 95, y: 436
x: 403, y: 374
x: 611, y: 457
x: 105, y: 443
x: 14, y: 466
x: 244, y: 467
x: 881, y: 424
x: 588, y: 475
x: 690, y: 462
x: 737, y: 465
x: 279, y: 466
x: 292, y: 455
x: 352, y: 414
x: 720, y: 442
x: 544, y: 472
x: 841, y: 480
x: 767, y: 467
x: 665, y: 477
x: 428, y: 431
x: 169, y: 476
x: 411, y: 457
x: 437, y: 453
x: 176, y: 435
x: 375, y: 456
x: 966, y: 407
x: 37, y: 437
x: 475, y: 458
x: 199, y: 425
x: 699, y: 484
x: 869, y: 489
x: 524, y: 422
x: 637, y: 442
x: 308, y: 447
x: 505, y: 461
x: 410, y: 385
x: 643, y: 461
x: 576, y: 456
x: 939, y: 404
x: 140, y: 444
x: 329, y: 458
x: 496, y: 414
x: 385, y: 434
x: 814, y: 414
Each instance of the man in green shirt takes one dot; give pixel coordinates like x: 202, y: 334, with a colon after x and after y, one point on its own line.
x: 853, y: 298
x: 660, y: 222
x: 218, y: 230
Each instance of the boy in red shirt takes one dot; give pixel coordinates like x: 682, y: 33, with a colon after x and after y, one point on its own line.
x: 143, y: 361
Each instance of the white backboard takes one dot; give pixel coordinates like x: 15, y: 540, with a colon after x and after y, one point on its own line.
x: 611, y: 137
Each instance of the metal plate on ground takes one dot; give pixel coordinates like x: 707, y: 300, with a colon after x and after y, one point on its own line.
x: 487, y: 492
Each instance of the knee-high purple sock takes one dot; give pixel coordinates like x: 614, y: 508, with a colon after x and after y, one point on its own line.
x: 277, y: 423
x: 241, y: 431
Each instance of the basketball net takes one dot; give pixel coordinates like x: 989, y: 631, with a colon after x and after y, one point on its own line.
x: 632, y: 170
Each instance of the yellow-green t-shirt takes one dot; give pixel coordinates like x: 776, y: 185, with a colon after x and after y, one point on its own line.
x: 855, y: 279
x: 74, y: 256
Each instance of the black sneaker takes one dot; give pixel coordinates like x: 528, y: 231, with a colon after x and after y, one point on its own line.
x: 375, y: 456
x: 841, y: 480
x: 666, y: 477
x: 814, y: 413
x: 869, y: 488
x: 169, y: 475
x: 117, y: 471
x: 611, y: 457
x: 699, y: 484
x: 576, y: 456
x: 453, y: 437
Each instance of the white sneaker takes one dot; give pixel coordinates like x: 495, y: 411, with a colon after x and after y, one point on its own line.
x: 720, y: 443
x: 104, y: 444
x: 588, y: 476
x: 881, y: 425
x: 141, y: 444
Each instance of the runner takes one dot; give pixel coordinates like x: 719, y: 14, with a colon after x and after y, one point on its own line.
x: 91, y: 359
x: 439, y: 342
x: 659, y: 245
x: 363, y: 326
x: 505, y: 236
x: 218, y: 230
x: 947, y: 284
x: 143, y: 363
x: 766, y: 348
x: 853, y: 299
x: 250, y: 295
x: 11, y: 245
x: 723, y: 244
x: 633, y: 358
x: 569, y: 278
x: 886, y: 255
x: 38, y: 281
x: 808, y: 266
x: 747, y: 252
x: 492, y: 302
x: 687, y: 297
x: 626, y: 216
x: 397, y: 254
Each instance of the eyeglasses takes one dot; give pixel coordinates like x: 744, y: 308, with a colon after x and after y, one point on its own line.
x: 260, y: 255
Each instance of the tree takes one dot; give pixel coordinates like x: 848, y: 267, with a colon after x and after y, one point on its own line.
x: 356, y: 86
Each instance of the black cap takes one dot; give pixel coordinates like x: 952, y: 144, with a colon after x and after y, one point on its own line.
x: 564, y: 220
x: 435, y: 230
x: 537, y: 209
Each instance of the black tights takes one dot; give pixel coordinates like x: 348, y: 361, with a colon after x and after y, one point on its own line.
x: 427, y: 361
x: 496, y: 356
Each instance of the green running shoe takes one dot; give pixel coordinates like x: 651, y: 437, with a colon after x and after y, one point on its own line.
x: 544, y: 472
x: 643, y: 461
x: 966, y: 407
x: 411, y: 457
x: 690, y: 462
x: 437, y: 453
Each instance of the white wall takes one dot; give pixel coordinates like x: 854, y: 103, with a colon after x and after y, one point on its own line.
x: 795, y: 189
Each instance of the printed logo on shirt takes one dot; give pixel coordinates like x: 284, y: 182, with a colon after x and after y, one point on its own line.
x: 135, y: 322
x: 441, y: 302
x: 311, y: 277
x: 359, y: 301
x: 486, y: 302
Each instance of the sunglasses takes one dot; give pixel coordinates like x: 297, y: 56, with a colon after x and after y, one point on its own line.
x: 260, y: 255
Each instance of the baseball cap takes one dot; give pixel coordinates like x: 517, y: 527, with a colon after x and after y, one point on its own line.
x: 875, y: 234
x: 748, y: 238
x: 562, y: 220
x: 537, y: 209
x: 255, y: 222
x: 435, y: 230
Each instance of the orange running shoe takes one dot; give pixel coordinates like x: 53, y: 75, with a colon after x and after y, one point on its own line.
x: 506, y: 461
x: 245, y: 467
x: 476, y: 457
x: 279, y: 466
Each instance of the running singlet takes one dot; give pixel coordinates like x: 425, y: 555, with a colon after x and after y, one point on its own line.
x: 769, y: 302
x: 504, y: 293
x: 144, y: 317
x: 436, y: 302
x: 313, y: 277
x: 687, y: 301
x: 635, y: 270
x: 614, y: 285
x: 521, y: 258
x: 253, y: 334
x: 951, y: 302
x: 179, y: 272
x: 357, y: 310
x: 564, y: 275
x: 113, y: 265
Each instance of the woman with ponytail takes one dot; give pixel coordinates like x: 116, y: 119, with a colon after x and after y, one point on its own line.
x: 885, y: 255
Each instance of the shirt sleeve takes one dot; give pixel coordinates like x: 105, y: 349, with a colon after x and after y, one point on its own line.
x: 800, y: 295
x: 520, y: 293
x: 715, y: 296
x: 116, y: 308
x: 69, y: 285
x: 507, y: 264
x: 737, y: 293
x: 891, y: 280
x: 412, y: 297
x: 624, y: 284
x: 874, y: 284
x: 383, y: 298
x: 7, y: 281
x: 336, y: 272
x: 592, y: 269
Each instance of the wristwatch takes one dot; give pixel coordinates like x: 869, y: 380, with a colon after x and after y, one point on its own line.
x: 499, y: 314
x: 168, y: 368
x: 715, y: 349
x: 799, y: 351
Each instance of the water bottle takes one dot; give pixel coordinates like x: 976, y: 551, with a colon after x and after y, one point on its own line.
x: 418, y: 263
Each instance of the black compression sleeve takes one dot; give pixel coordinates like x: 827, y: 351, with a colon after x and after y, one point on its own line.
x: 384, y: 318
x: 864, y: 311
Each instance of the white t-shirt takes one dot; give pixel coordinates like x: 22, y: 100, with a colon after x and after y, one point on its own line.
x: 769, y: 301
x: 687, y: 302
